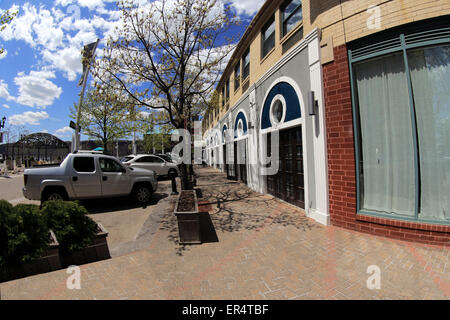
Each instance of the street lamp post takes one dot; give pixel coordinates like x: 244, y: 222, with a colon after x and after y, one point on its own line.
x: 2, y: 125
x: 88, y: 53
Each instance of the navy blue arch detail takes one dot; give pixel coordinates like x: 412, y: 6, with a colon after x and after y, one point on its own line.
x: 292, y: 104
x: 244, y: 123
x: 223, y: 130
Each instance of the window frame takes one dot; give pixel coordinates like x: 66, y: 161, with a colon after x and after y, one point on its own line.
x: 223, y: 97
x: 267, y: 25
x: 227, y: 90
x: 78, y: 157
x: 141, y: 159
x: 285, y: 19
x: 237, y: 76
x: 403, y: 46
x: 122, y: 168
x: 246, y: 67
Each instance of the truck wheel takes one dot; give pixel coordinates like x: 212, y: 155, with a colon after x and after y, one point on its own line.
x: 142, y: 193
x: 53, y: 195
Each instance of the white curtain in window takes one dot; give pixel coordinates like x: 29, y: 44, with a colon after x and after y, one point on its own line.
x: 388, y: 183
x: 430, y: 75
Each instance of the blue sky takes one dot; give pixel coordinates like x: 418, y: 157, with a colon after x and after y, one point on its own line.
x: 41, y: 67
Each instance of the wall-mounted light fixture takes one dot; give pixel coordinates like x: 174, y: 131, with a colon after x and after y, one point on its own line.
x: 312, y: 104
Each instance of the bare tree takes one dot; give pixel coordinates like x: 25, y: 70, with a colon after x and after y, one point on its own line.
x: 168, y: 56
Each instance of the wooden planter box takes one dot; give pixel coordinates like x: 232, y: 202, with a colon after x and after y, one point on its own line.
x: 97, y: 251
x: 48, y: 262
x: 188, y: 220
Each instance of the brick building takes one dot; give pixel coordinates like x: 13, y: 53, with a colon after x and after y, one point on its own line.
x: 358, y: 93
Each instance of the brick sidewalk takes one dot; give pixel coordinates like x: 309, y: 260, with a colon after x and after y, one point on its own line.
x: 259, y: 248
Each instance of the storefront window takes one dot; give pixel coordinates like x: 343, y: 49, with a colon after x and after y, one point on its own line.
x: 430, y: 77
x: 403, y: 132
x: 386, y: 136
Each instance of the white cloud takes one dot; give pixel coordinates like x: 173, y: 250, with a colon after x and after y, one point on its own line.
x: 6, y: 106
x: 67, y: 60
x: 35, y: 90
x: 21, y: 26
x: 35, y: 27
x: 49, y: 34
x: 63, y: 2
x: 29, y: 117
x: 4, y: 54
x: 247, y: 7
x: 64, y: 130
x: 4, y: 93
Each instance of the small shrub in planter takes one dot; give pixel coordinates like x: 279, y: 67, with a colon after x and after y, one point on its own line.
x: 24, y: 238
x: 6, y: 220
x: 32, y: 234
x: 70, y: 223
x: 81, y: 239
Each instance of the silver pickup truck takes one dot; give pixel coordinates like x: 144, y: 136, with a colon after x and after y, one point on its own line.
x: 88, y: 175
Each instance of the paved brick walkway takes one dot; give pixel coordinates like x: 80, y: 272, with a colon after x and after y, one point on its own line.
x: 259, y: 248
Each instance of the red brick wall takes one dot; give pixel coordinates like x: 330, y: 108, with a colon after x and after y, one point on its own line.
x: 342, y: 170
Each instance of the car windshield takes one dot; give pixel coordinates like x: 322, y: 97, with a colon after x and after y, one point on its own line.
x: 126, y: 159
x: 165, y: 157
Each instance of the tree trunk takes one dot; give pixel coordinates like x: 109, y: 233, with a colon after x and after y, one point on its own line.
x: 185, y: 177
x: 105, y: 146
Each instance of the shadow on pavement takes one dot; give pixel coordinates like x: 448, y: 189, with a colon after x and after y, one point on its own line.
x: 234, y: 207
x: 118, y: 204
x: 208, y: 232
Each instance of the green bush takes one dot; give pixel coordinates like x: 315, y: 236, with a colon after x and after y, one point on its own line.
x: 23, y: 232
x: 6, y: 219
x: 70, y: 223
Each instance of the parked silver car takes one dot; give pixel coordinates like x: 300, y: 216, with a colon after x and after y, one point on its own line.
x: 161, y: 166
x: 87, y: 175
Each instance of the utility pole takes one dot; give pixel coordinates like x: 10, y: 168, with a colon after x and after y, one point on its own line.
x: 88, y: 55
x: 134, y: 148
x: 153, y: 142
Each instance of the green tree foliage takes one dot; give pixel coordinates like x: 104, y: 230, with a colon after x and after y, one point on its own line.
x: 104, y: 115
x: 6, y: 18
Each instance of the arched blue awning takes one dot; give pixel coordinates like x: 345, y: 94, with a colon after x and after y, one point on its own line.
x: 292, y: 104
x: 240, y: 116
x: 224, y: 128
